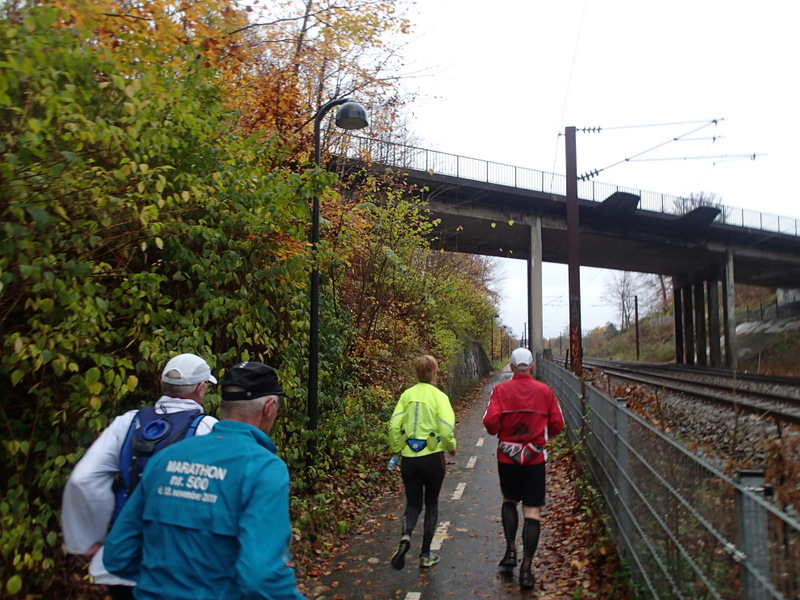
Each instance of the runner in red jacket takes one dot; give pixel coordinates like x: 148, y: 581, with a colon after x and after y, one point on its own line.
x: 524, y: 414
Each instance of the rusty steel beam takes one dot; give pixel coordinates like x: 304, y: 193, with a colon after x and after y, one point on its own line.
x: 573, y: 250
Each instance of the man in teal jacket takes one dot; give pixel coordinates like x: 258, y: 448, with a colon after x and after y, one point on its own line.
x: 210, y: 518
x: 422, y: 427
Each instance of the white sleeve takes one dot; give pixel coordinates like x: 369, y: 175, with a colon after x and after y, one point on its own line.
x: 88, y: 502
x: 205, y: 425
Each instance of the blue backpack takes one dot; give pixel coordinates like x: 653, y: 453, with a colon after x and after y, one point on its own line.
x: 149, y: 432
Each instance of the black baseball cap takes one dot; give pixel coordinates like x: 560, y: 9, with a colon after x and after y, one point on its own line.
x: 255, y: 378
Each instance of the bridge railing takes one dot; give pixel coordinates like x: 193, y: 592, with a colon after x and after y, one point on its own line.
x: 685, y: 529
x: 419, y: 159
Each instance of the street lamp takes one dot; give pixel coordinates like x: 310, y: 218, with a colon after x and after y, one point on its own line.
x: 351, y: 115
x: 494, y: 316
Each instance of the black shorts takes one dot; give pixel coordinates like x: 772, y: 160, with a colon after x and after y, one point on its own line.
x: 523, y: 483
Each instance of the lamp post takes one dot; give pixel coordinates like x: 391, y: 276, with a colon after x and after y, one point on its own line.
x: 494, y: 316
x: 351, y: 115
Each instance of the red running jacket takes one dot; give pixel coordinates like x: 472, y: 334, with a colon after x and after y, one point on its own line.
x: 523, y: 410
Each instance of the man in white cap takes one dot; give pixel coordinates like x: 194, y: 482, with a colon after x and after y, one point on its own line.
x: 106, y: 475
x: 524, y: 414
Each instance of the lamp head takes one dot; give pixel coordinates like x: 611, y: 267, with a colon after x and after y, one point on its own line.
x: 351, y: 115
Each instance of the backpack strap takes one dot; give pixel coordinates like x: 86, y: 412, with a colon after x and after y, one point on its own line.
x: 122, y: 481
x: 193, y: 426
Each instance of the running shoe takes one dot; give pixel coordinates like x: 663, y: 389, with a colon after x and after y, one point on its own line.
x: 399, y: 557
x: 428, y: 560
x: 525, y: 580
x: 509, y: 560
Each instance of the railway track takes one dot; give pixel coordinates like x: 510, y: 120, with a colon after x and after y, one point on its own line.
x: 776, y: 398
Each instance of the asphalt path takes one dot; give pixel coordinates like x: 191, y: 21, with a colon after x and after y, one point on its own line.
x: 469, y: 535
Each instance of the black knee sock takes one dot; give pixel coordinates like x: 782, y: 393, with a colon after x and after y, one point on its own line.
x: 510, y: 522
x: 530, y: 538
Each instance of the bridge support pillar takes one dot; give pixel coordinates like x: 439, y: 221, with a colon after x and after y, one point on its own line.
x: 535, y: 306
x: 700, y: 323
x: 677, y: 304
x: 712, y: 286
x: 688, y: 324
x: 729, y: 314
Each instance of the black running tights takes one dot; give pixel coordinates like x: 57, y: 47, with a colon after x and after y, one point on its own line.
x: 422, y: 479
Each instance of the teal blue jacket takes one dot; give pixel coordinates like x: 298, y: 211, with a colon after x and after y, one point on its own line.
x: 209, y: 519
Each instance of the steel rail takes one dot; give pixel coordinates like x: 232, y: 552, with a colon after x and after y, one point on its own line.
x: 763, y: 404
x: 741, y: 376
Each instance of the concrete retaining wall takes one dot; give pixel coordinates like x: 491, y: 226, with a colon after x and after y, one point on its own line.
x: 466, y: 370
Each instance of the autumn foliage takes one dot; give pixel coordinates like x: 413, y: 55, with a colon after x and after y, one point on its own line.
x: 154, y: 186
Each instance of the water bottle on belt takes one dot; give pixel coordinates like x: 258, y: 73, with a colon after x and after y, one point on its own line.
x: 432, y: 441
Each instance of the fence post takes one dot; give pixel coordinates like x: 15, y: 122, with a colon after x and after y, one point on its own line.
x: 623, y: 487
x: 584, y: 413
x: 752, y: 524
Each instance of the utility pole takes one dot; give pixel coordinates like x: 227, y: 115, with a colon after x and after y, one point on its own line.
x: 573, y: 247
x: 636, y: 319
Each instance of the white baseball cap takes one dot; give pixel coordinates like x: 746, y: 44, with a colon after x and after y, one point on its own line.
x: 187, y: 369
x: 521, y: 358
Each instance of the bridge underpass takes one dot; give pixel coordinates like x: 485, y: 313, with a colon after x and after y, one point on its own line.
x: 503, y: 211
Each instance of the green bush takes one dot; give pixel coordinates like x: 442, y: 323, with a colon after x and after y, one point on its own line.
x: 136, y: 224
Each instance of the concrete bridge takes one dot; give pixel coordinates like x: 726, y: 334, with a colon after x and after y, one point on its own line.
x: 501, y: 210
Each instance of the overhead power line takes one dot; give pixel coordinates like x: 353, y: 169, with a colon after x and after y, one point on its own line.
x: 635, y: 157
x: 726, y: 156
x: 673, y: 124
x: 713, y: 139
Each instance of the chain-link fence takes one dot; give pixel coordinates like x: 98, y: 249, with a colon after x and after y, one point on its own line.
x: 685, y: 529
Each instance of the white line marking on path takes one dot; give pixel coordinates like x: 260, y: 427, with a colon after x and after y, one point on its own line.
x: 439, y: 535
x: 471, y: 462
x: 413, y: 595
x: 480, y: 442
x: 459, y: 490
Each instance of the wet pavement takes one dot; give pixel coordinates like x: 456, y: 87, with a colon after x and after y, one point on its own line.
x: 469, y: 536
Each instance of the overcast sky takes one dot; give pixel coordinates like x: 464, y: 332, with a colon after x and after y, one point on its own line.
x: 501, y: 80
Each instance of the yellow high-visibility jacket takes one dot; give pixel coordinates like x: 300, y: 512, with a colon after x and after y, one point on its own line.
x: 422, y: 412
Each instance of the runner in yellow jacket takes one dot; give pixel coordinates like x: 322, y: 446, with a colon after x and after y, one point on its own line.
x: 422, y: 428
